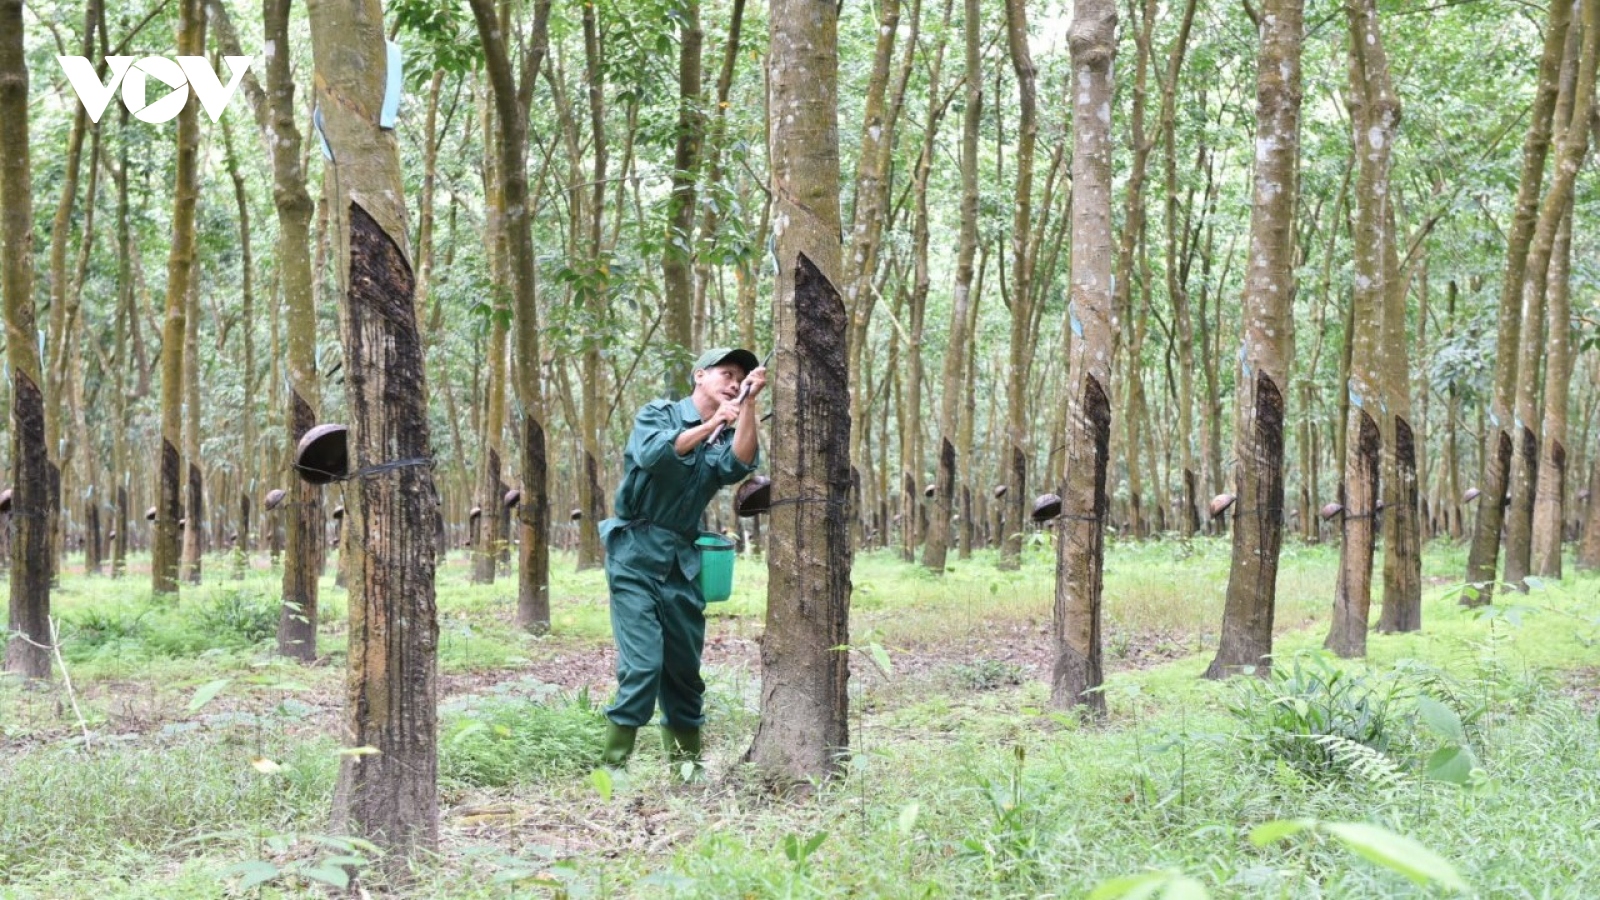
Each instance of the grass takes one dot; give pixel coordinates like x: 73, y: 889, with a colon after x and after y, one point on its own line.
x: 963, y: 782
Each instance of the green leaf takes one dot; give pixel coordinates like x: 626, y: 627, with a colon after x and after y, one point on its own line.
x: 1278, y: 829
x: 881, y: 657
x: 1130, y: 887
x: 1441, y: 719
x: 1398, y: 853
x: 601, y: 780
x: 1151, y: 886
x: 207, y: 693
x: 254, y: 873
x: 1452, y: 764
x: 331, y: 875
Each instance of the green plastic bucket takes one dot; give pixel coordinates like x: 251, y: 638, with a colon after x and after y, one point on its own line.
x: 716, y: 566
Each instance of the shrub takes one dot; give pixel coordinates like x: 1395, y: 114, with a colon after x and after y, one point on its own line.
x: 1302, y: 712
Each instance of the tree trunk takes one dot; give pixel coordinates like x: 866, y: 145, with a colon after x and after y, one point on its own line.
x: 512, y: 100
x: 389, y: 796
x: 677, y: 250
x: 1080, y: 556
x: 1268, y: 351
x: 1550, y: 250
x: 1015, y: 447
x: 1375, y: 117
x: 490, y: 486
x: 804, y: 730
x: 870, y: 211
x: 1484, y: 555
x: 953, y: 374
x: 27, y: 651
x: 194, y: 534
x: 1401, y: 522
x: 180, y: 264
x: 1572, y: 148
x: 277, y: 120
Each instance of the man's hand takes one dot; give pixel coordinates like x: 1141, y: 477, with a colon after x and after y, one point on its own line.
x: 727, y: 412
x: 754, y: 382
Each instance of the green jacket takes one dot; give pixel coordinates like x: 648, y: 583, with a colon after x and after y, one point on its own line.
x: 663, y: 495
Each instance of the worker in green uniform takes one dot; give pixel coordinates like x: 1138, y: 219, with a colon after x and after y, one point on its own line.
x: 672, y: 467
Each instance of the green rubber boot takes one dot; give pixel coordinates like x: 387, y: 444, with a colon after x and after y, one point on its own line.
x: 683, y: 747
x: 619, y: 744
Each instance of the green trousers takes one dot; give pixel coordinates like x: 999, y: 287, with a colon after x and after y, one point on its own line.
x: 660, y: 629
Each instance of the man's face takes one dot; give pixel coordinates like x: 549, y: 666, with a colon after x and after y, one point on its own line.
x: 720, y: 382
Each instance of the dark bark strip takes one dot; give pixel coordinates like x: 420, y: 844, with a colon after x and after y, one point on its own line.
x: 27, y: 645
x: 805, y: 673
x: 394, y: 633
x: 1402, y: 607
x: 1491, y: 518
x: 1257, y: 523
x: 1078, y: 668
x: 1352, y: 601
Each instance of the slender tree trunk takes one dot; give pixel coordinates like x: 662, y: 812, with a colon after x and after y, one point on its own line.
x: 490, y: 486
x: 27, y: 651
x: 953, y: 376
x: 247, y: 470
x: 1016, y: 445
x: 1268, y: 351
x: 1401, y: 523
x: 1375, y: 118
x: 1549, y: 498
x: 1080, y: 556
x: 277, y: 119
x: 1483, y: 558
x: 1550, y: 250
x: 124, y: 322
x: 194, y: 534
x: 870, y: 211
x: 512, y: 100
x: 677, y: 250
x: 804, y: 730
x: 389, y: 796
x: 180, y: 266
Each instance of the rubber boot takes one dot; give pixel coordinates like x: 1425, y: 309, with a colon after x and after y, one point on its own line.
x: 683, y: 746
x: 619, y: 744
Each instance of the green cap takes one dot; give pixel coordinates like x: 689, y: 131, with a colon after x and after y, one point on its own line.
x: 742, y: 358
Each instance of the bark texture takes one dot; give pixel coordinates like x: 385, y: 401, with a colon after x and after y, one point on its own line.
x: 1375, y: 117
x: 180, y: 266
x: 28, y: 634
x: 1484, y: 555
x: 1080, y: 552
x: 1267, y: 352
x: 391, y: 796
x: 804, y: 730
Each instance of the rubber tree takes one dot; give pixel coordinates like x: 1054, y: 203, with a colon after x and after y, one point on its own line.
x: 27, y: 651
x: 1374, y: 120
x: 952, y: 380
x: 1015, y: 446
x: 1547, y: 274
x: 1484, y: 556
x: 512, y: 94
x: 1266, y: 358
x: 277, y: 120
x: 804, y: 730
x: 180, y: 268
x: 389, y: 796
x: 1080, y: 552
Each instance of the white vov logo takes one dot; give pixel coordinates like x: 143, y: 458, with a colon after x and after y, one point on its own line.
x: 193, y: 72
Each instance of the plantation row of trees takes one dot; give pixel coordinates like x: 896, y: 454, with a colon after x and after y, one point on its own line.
x: 1023, y: 254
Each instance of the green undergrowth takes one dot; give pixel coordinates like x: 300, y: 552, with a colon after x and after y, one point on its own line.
x: 1476, y: 738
